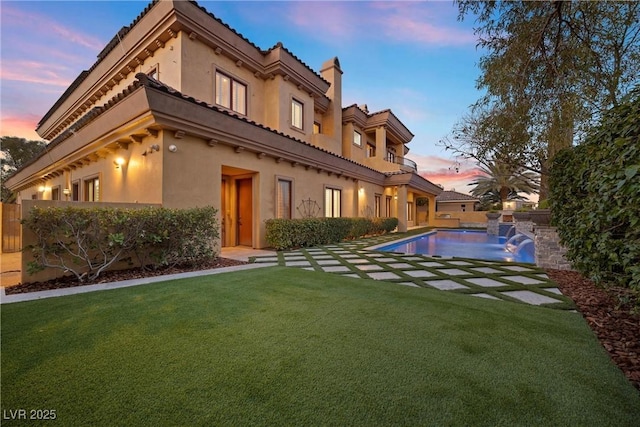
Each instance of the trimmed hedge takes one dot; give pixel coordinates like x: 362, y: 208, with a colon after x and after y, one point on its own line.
x: 595, y: 198
x: 285, y: 234
x: 86, y: 242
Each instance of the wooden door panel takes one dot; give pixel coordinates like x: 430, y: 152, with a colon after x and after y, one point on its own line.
x: 245, y: 212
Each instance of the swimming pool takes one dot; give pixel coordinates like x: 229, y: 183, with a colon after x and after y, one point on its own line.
x: 465, y: 244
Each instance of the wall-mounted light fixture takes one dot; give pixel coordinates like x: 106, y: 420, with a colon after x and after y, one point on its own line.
x: 41, y: 189
x: 151, y: 149
x: 66, y: 191
x: 173, y: 148
x: 118, y: 162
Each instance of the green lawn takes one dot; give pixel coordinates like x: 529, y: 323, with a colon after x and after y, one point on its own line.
x: 280, y: 346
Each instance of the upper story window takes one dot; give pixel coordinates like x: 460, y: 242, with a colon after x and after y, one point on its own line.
x: 296, y: 113
x: 357, y: 138
x: 231, y: 93
x: 55, y: 193
x: 391, y: 156
x: 153, y: 73
x: 317, y: 127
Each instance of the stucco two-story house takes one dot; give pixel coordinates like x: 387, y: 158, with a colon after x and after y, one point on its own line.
x: 180, y: 110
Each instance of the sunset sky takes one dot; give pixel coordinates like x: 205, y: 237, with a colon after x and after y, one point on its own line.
x: 415, y: 58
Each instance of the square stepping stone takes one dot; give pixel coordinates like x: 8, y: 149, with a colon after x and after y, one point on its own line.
x: 297, y: 263
x: 321, y: 256
x: 369, y: 267
x: 376, y: 255
x: 387, y: 259
x: 487, y: 296
x: 431, y: 264
x: 543, y: 276
x: 341, y: 252
x: 349, y: 256
x: 553, y: 291
x: 486, y: 282
x: 402, y: 265
x: 294, y: 258
x: 412, y: 258
x: 445, y: 285
x: 328, y: 262
x: 517, y: 268
x: 486, y: 270
x: 354, y: 275
x: 419, y: 273
x: 409, y: 284
x: 359, y: 261
x: 523, y: 280
x: 267, y: 259
x: 384, y: 275
x: 336, y: 269
x: 453, y: 272
x: 462, y: 263
x: 309, y: 269
x: 530, y: 297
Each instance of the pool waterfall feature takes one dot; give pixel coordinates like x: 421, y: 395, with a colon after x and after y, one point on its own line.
x: 518, y: 240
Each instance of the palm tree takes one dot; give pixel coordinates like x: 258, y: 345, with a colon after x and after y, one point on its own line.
x: 505, y: 182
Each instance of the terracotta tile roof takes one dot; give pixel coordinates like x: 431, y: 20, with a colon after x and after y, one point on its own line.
x: 454, y: 196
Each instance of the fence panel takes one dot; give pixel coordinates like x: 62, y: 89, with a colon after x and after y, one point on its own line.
x: 11, y: 239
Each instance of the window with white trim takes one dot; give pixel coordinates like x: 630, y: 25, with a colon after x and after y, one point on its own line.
x: 230, y: 93
x: 332, y: 198
x: 297, y: 113
x: 283, y: 199
x: 357, y: 138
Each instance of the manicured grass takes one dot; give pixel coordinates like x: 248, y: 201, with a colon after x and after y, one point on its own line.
x: 280, y: 346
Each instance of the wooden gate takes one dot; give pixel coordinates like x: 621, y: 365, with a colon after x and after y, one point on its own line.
x: 11, y: 241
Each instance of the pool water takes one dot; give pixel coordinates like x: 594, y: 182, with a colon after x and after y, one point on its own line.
x: 464, y: 244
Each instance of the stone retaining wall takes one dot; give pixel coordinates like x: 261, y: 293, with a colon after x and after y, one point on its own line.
x: 549, y: 252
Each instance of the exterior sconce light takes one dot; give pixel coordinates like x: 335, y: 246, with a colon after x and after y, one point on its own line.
x: 118, y: 162
x: 173, y: 148
x: 41, y: 189
x: 66, y: 191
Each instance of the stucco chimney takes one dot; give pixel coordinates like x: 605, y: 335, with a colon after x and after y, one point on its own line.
x: 332, y: 122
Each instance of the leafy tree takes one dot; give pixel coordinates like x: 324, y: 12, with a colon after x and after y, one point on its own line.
x: 503, y: 182
x: 16, y: 152
x: 550, y: 71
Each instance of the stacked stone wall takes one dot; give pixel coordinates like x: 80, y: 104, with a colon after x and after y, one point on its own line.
x: 549, y: 252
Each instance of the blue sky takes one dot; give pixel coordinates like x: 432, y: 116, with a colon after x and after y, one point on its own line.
x: 415, y: 58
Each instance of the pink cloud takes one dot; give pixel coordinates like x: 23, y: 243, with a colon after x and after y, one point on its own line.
x: 22, y: 126
x: 402, y: 21
x: 34, y: 72
x: 333, y: 18
x: 419, y: 22
x: 41, y: 24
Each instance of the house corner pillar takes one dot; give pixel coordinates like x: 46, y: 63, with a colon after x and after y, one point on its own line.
x: 402, y: 208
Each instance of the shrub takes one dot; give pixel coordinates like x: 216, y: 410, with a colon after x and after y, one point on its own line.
x: 86, y: 242
x: 284, y: 234
x: 595, y: 198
